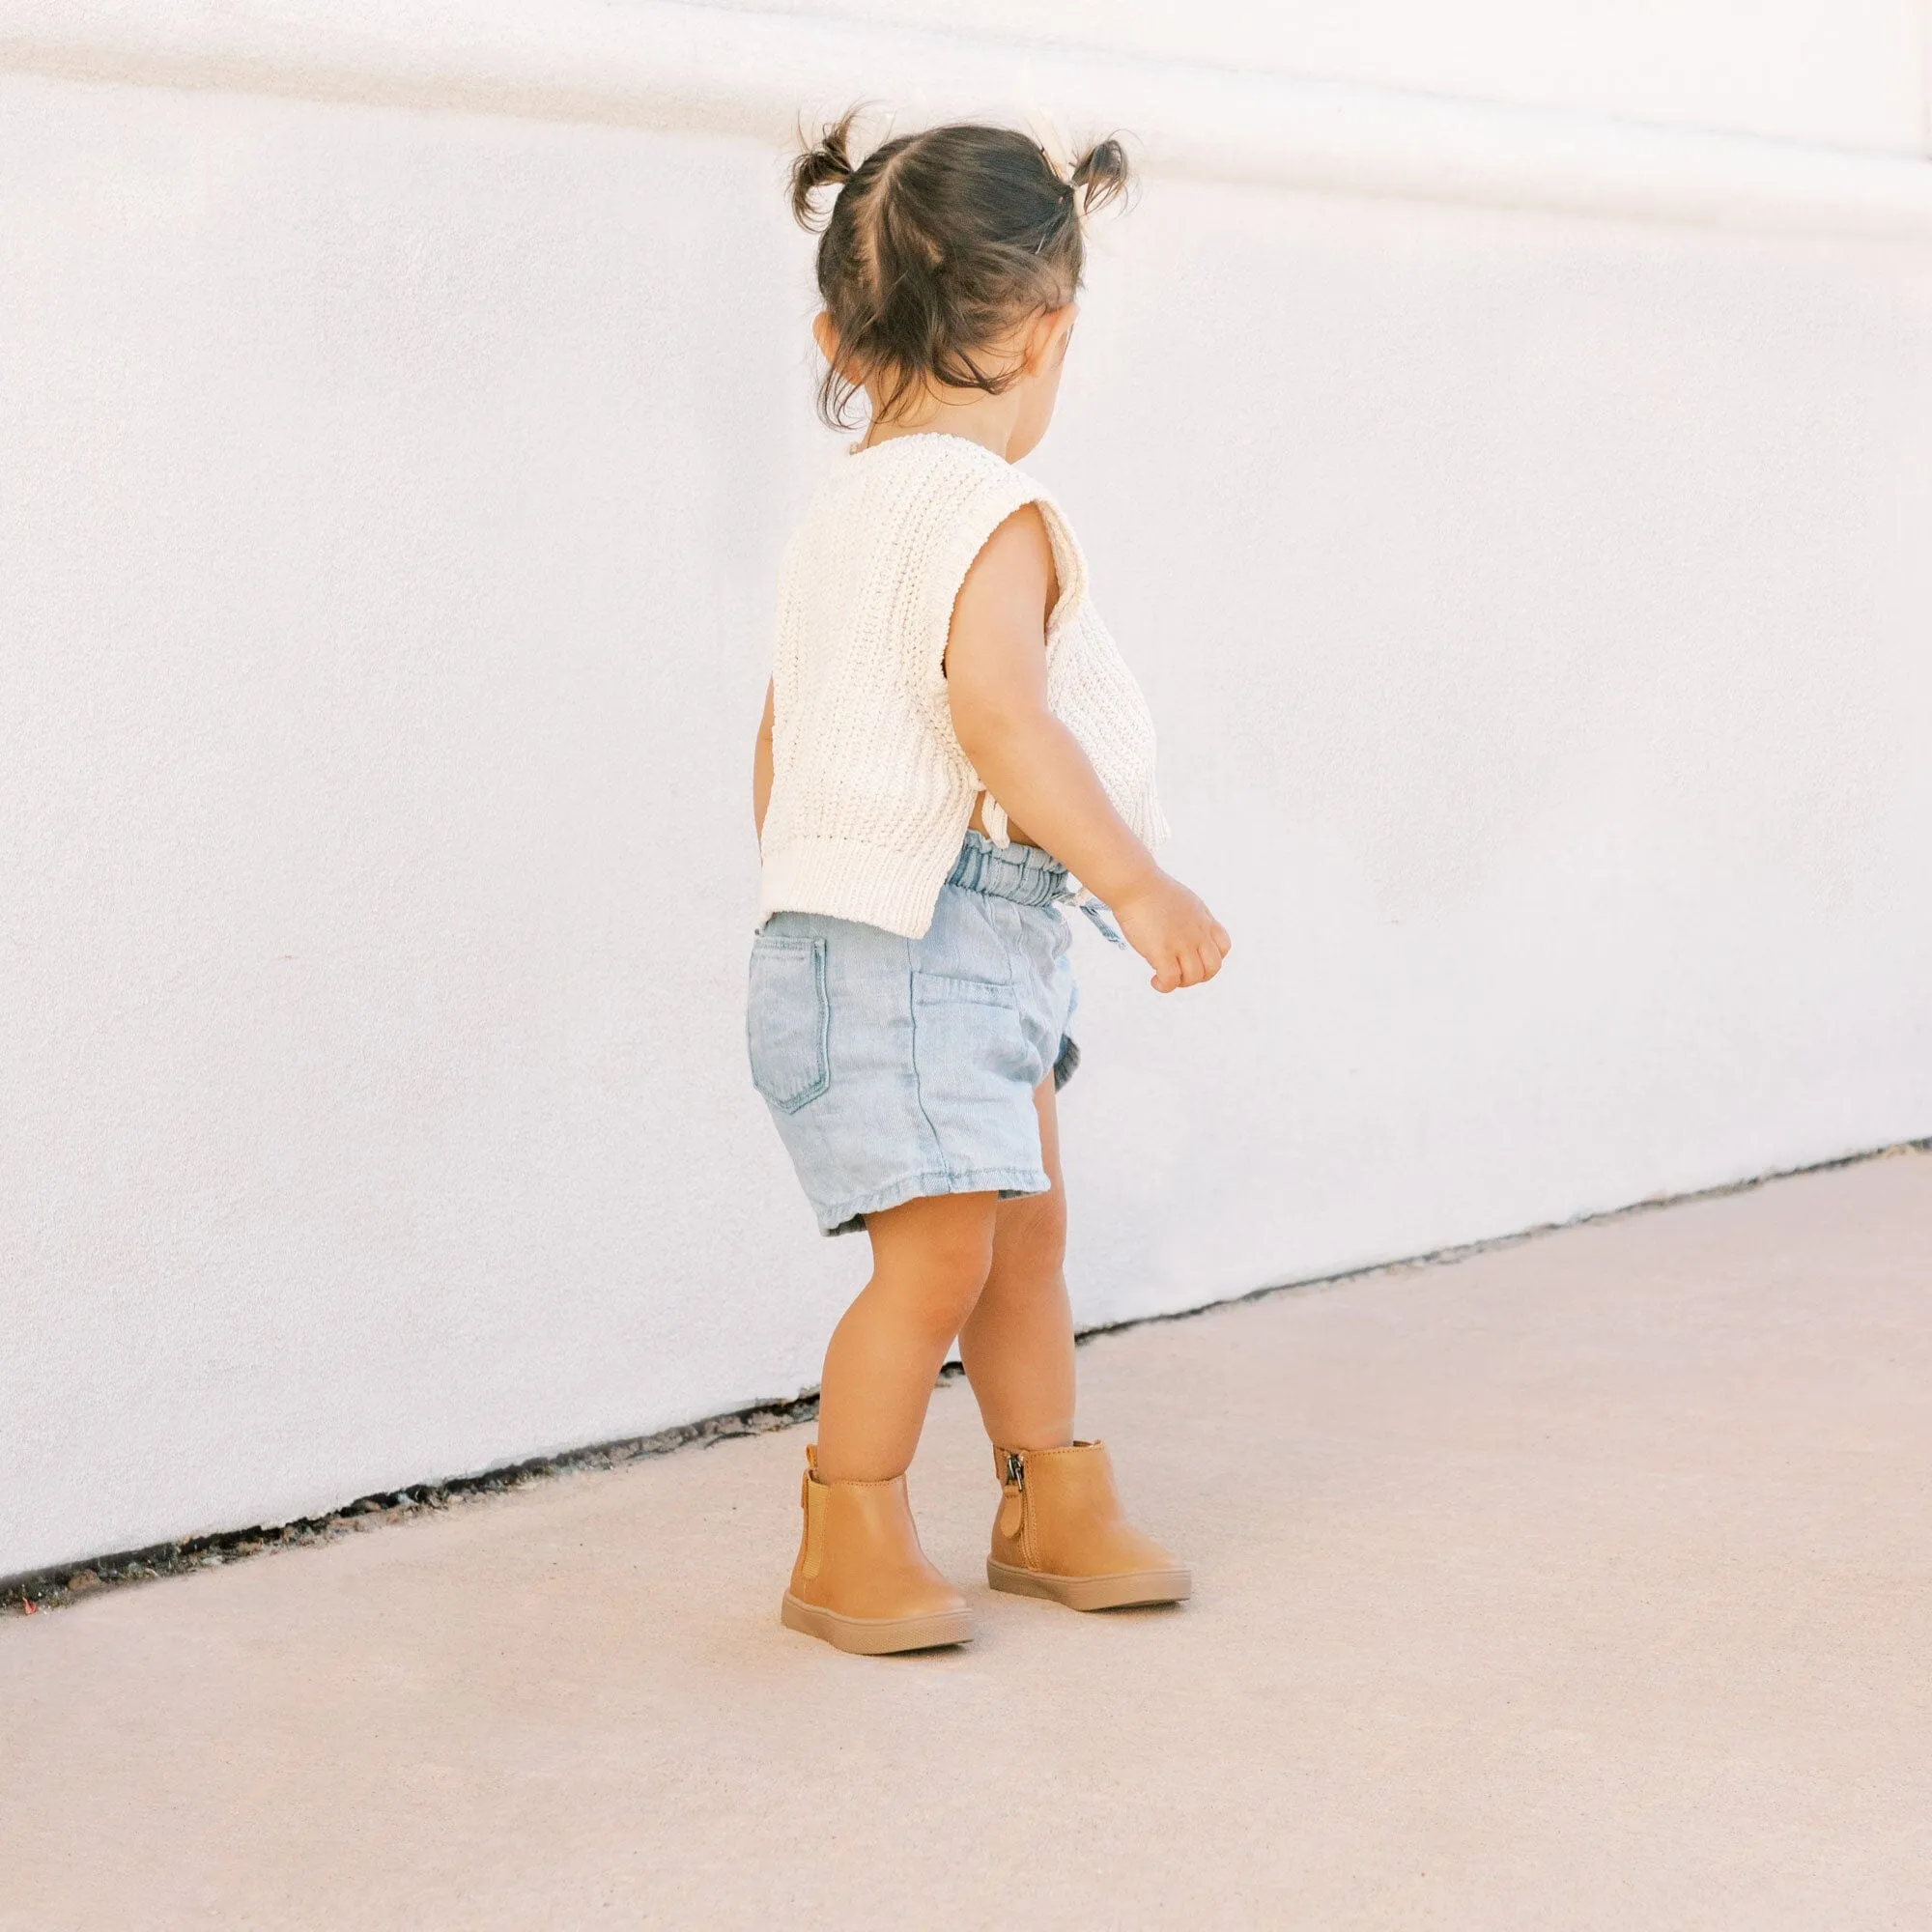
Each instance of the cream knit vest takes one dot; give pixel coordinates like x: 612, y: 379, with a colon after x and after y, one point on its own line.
x: 870, y: 792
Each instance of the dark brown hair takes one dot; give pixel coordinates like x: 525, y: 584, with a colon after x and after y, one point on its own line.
x: 938, y: 246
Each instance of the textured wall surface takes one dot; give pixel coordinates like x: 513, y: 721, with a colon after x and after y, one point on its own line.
x: 1535, y: 607
x: 1852, y: 72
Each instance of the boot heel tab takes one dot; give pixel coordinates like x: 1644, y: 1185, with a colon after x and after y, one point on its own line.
x: 811, y: 1496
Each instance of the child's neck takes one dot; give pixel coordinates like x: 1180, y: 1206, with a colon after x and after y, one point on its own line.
x: 987, y: 420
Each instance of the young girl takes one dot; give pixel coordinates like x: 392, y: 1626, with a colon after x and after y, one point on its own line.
x: 940, y: 681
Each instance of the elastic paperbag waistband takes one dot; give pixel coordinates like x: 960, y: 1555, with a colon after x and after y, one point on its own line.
x: 1026, y: 875
x: 1022, y: 873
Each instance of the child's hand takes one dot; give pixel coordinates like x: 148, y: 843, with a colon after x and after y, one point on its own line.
x: 1173, y: 931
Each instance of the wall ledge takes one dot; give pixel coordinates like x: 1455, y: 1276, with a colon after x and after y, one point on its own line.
x: 663, y: 64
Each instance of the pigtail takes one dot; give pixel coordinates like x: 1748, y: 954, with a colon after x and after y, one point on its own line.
x: 1101, y: 174
x: 829, y: 160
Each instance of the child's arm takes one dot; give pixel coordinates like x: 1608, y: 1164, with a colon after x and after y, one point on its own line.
x: 1031, y: 763
x: 761, y: 767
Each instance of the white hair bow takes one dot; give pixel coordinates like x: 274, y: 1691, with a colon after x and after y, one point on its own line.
x: 1050, y: 133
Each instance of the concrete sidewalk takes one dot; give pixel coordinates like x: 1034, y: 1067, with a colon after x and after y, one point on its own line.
x: 1586, y: 1582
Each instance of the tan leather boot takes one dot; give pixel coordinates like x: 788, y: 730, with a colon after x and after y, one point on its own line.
x: 1060, y: 1533
x: 862, y: 1582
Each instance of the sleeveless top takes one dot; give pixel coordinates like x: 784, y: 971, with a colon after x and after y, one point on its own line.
x: 870, y: 791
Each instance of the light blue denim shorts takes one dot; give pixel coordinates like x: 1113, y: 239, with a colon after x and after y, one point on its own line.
x: 897, y: 1067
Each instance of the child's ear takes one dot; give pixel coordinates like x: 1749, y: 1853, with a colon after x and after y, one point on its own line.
x: 826, y: 335
x: 1046, y: 340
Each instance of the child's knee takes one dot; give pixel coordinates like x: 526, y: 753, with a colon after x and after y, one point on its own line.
x: 952, y: 1281
x: 1032, y: 1236
x: 937, y: 1276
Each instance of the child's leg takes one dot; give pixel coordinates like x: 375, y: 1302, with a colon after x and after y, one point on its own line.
x: 931, y: 1259
x: 1017, y: 1343
x: 1060, y: 1532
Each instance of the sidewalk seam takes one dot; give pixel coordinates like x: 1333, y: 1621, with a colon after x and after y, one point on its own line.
x: 36, y: 1590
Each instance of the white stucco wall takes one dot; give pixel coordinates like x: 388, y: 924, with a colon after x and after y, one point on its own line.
x: 1527, y: 567
x: 1844, y: 72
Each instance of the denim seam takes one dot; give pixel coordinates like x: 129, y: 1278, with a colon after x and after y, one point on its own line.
x: 918, y: 1082
x: 1006, y: 939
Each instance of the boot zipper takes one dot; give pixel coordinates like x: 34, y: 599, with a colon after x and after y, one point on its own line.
x: 1012, y: 1505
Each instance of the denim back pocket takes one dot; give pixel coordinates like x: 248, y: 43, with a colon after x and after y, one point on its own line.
x: 788, y: 1021
x: 970, y: 1041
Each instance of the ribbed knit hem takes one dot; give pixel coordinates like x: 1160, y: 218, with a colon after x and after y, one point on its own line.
x: 847, y: 1217
x: 843, y: 879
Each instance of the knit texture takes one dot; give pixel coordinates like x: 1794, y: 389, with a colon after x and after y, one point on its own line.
x: 870, y: 791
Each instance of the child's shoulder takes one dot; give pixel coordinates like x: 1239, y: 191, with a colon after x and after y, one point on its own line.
x: 924, y: 504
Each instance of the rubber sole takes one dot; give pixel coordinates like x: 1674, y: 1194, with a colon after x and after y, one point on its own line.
x: 877, y: 1636
x: 1093, y: 1593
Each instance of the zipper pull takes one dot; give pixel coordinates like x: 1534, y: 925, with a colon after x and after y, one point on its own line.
x: 1012, y: 1496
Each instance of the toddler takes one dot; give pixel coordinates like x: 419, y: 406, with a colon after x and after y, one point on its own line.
x: 950, y: 742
